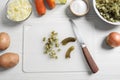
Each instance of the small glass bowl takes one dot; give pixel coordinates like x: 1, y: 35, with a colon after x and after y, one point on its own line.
x: 20, y: 20
x: 88, y: 6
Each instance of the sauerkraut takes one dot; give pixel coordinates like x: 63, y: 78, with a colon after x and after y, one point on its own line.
x: 18, y: 10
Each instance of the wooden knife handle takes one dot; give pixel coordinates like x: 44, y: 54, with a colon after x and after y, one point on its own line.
x: 90, y: 60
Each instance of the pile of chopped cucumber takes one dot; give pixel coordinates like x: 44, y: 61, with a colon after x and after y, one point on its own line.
x: 109, y: 9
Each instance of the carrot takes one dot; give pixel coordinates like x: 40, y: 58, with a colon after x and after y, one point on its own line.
x: 40, y: 7
x: 51, y: 3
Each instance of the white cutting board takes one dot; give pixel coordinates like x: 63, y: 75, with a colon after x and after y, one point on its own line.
x: 34, y: 60
x: 94, y: 35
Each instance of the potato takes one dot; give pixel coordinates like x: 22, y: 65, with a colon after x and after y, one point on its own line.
x: 4, y: 41
x: 9, y: 60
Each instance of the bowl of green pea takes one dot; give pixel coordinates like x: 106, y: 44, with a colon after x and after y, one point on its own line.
x: 108, y: 10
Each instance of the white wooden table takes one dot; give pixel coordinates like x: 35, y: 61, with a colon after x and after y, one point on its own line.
x: 106, y: 58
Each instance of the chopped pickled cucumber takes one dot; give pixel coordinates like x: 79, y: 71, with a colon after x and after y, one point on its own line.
x: 51, y: 44
x: 109, y: 9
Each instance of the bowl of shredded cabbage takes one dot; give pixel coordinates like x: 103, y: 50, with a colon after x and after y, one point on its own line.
x: 18, y: 10
x: 108, y: 10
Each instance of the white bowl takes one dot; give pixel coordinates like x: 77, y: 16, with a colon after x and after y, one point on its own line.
x: 98, y: 13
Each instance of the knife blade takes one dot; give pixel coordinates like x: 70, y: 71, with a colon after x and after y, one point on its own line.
x: 93, y: 66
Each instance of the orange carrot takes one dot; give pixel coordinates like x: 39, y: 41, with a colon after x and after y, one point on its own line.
x: 40, y: 7
x: 51, y: 3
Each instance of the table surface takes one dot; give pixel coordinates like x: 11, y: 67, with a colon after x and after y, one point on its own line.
x: 61, y: 12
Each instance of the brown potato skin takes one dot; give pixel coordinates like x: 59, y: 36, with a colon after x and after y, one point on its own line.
x: 9, y: 60
x: 4, y: 40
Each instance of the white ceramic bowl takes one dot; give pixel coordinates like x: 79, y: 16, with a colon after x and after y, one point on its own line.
x: 98, y: 13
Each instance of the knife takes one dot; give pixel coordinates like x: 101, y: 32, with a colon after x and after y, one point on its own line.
x: 94, y: 68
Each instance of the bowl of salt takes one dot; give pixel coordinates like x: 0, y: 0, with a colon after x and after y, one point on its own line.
x: 79, y: 7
